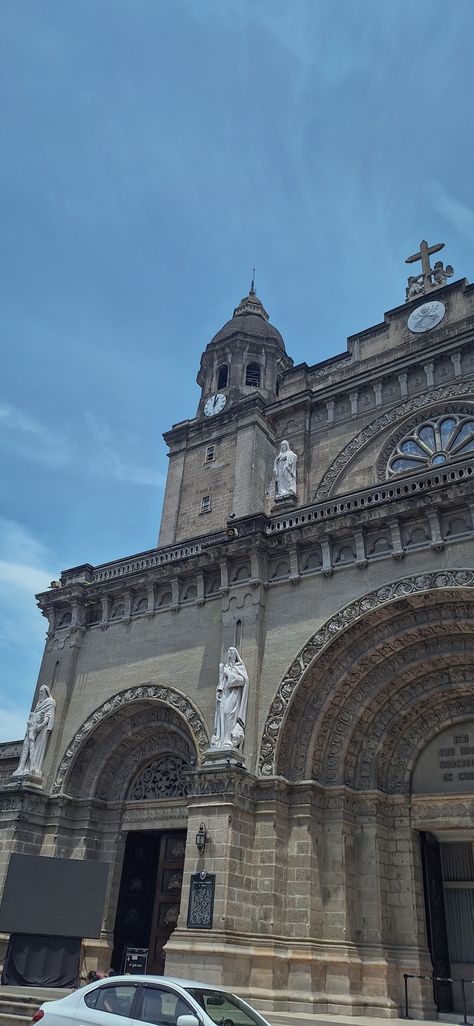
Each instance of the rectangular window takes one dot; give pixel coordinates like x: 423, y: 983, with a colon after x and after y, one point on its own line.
x: 210, y: 453
x: 206, y: 504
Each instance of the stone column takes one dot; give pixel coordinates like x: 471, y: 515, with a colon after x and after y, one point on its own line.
x: 222, y: 802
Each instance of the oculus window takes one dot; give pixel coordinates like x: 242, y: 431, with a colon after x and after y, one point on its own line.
x: 433, y: 443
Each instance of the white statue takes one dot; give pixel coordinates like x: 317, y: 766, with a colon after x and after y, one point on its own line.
x: 284, y: 472
x: 38, y: 728
x: 231, y: 703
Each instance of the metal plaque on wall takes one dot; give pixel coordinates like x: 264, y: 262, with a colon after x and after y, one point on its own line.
x: 201, y: 901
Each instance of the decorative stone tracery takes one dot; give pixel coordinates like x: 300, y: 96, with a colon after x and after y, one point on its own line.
x: 164, y: 777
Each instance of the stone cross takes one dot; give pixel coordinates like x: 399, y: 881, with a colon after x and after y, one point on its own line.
x: 430, y: 277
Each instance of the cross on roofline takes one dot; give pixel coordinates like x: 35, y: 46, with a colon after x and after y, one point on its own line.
x: 430, y: 277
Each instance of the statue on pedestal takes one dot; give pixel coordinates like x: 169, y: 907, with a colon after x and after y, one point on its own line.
x: 231, y: 703
x: 38, y: 728
x: 284, y: 472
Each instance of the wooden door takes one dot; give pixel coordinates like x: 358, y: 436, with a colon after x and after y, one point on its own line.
x: 436, y: 920
x: 169, y: 878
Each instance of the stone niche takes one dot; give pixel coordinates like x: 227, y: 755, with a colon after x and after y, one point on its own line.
x: 446, y: 765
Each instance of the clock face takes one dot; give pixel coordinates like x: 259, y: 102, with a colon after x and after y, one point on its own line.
x: 214, y: 404
x: 428, y: 315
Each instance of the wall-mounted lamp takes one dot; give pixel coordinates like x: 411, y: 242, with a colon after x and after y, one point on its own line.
x: 201, y: 838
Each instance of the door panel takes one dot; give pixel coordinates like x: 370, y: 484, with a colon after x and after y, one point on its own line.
x: 169, y: 879
x: 436, y: 919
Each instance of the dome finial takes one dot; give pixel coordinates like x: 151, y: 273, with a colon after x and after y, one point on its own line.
x: 252, y: 286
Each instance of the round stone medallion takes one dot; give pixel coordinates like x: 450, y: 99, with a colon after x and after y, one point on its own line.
x: 426, y: 316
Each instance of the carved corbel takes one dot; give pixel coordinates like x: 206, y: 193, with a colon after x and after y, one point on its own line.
x: 327, y: 568
x: 437, y: 540
x: 398, y: 551
x: 294, y: 568
x: 105, y: 601
x: 377, y: 387
x: 127, y: 606
x: 361, y: 556
x: 174, y: 595
x: 200, y: 596
x: 150, y: 593
x: 224, y: 569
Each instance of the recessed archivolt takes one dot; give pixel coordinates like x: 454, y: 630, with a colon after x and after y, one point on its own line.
x: 373, y: 694
x: 417, y: 404
x: 123, y: 723
x: 354, y: 677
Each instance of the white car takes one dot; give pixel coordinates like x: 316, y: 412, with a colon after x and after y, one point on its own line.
x: 152, y: 1000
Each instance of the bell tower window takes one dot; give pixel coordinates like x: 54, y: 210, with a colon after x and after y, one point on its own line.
x: 223, y: 376
x: 252, y: 375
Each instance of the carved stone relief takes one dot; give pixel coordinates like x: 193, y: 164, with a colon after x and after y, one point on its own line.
x: 274, y: 739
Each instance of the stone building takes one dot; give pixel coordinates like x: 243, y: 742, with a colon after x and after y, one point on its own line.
x: 338, y: 841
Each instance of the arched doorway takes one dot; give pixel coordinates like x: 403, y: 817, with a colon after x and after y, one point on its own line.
x: 127, y: 766
x: 364, y: 697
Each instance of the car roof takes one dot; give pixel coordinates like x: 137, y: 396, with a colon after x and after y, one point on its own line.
x: 148, y: 978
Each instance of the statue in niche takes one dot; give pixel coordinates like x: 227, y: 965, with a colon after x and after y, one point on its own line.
x: 38, y: 728
x: 231, y: 703
x: 284, y: 472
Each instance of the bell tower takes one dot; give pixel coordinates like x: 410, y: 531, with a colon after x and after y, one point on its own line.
x: 221, y: 460
x: 248, y: 353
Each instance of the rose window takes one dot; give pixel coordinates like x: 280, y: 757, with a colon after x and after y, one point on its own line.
x: 433, y: 443
x: 162, y: 778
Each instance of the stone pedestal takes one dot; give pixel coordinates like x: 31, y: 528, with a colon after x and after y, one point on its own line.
x: 221, y: 758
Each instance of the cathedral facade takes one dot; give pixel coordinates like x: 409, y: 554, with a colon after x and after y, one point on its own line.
x: 318, y: 521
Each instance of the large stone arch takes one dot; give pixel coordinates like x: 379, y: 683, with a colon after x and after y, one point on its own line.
x: 374, y: 684
x: 397, y: 415
x: 126, y: 730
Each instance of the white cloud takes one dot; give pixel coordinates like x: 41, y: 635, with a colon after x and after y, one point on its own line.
x: 460, y: 216
x: 23, y: 431
x: 32, y: 440
x: 25, y: 571
x: 25, y: 568
x: 12, y: 722
x: 107, y: 462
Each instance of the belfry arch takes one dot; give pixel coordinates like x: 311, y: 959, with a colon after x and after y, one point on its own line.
x: 374, y: 684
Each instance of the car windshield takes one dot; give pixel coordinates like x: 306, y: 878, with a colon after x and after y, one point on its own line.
x: 226, y: 1009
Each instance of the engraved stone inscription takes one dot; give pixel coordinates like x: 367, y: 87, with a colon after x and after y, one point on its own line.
x: 201, y: 901
x: 447, y: 763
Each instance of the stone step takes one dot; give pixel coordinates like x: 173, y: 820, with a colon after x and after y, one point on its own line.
x: 11, y: 1019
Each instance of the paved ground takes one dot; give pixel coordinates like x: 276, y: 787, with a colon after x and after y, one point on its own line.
x: 275, y: 1018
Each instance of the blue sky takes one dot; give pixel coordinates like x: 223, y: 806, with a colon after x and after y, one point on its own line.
x: 153, y: 152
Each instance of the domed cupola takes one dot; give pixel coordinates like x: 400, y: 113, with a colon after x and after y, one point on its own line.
x: 247, y: 355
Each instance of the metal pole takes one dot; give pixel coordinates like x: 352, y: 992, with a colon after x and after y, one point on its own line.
x: 463, y: 993
x: 405, y: 977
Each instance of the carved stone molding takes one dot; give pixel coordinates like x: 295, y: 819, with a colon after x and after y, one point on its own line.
x: 154, y: 814
x: 444, y: 808
x: 153, y: 693
x: 218, y: 782
x: 393, y: 416
x: 333, y: 629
